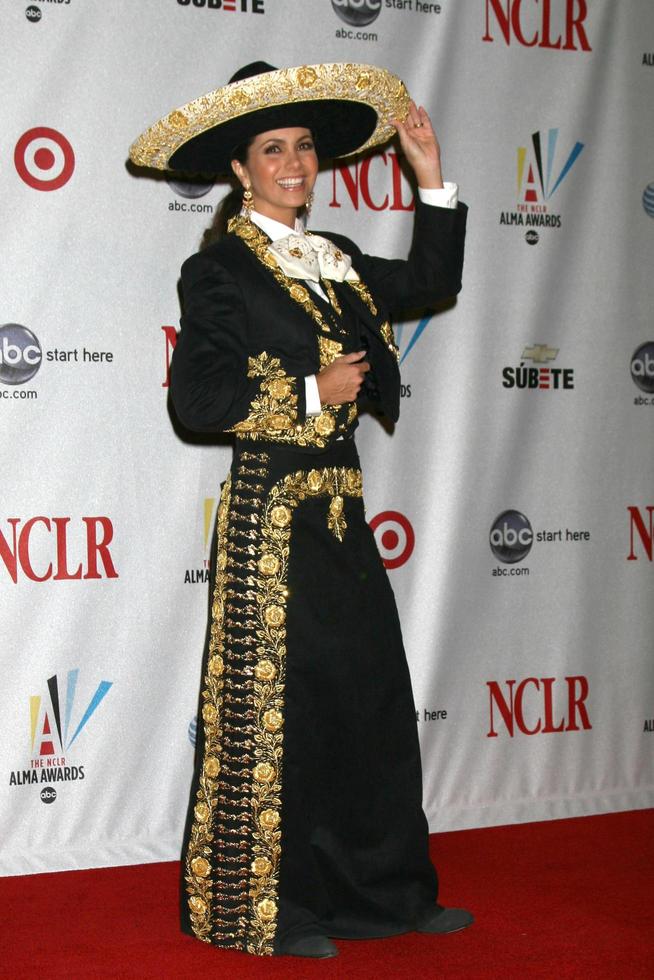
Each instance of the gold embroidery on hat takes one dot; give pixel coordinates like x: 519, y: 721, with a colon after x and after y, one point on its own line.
x: 384, y: 92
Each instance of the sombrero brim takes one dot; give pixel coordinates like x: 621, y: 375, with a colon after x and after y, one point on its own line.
x: 348, y: 107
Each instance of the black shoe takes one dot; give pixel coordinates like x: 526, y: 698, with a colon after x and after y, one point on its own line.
x: 440, y: 920
x: 317, y: 947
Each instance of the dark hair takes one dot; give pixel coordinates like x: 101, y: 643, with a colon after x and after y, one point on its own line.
x: 230, y: 205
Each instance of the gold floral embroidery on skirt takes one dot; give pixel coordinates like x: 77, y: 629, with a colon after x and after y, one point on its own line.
x: 232, y: 862
x: 198, y: 856
x: 270, y: 673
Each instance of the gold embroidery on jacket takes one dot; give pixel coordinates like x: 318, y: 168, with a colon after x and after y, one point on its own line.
x: 255, y: 239
x: 329, y: 350
x: 386, y: 331
x: 273, y: 411
x: 363, y: 293
x: 331, y: 295
x: 258, y: 243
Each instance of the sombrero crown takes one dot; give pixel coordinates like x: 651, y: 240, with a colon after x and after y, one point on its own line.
x: 347, y: 107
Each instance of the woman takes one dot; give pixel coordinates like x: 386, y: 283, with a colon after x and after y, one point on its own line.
x: 306, y: 819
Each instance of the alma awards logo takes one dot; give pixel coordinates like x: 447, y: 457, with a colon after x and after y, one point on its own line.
x: 55, y: 726
x: 538, y: 179
x: 201, y: 574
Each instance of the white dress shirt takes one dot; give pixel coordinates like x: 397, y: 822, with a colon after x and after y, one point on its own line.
x: 442, y: 197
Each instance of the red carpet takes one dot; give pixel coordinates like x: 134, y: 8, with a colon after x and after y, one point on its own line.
x: 556, y: 900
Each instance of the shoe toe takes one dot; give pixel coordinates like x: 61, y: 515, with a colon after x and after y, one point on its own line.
x: 443, y: 920
x: 314, y: 947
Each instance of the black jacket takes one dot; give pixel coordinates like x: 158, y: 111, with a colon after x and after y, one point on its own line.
x: 235, y: 310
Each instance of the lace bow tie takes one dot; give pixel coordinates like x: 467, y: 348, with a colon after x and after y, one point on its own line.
x: 312, y: 257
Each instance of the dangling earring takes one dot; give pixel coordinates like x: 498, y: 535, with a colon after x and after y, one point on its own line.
x: 308, y: 203
x: 247, y: 201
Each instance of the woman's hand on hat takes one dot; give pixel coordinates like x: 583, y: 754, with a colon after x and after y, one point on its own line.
x: 340, y: 381
x: 420, y: 146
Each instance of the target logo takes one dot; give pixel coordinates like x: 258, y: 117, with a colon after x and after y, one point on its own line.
x: 44, y: 159
x: 394, y: 536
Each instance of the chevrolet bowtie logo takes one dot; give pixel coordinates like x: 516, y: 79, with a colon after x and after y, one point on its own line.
x: 539, y: 353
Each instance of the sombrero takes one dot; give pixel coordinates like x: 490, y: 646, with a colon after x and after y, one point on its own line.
x: 348, y: 108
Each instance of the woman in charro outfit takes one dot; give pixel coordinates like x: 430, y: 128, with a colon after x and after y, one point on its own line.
x: 305, y: 820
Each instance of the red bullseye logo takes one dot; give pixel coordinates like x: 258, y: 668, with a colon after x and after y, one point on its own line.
x: 394, y: 536
x: 44, y: 159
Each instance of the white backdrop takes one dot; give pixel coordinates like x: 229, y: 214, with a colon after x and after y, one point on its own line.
x: 530, y: 647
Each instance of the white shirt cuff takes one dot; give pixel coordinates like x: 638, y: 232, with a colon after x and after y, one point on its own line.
x: 446, y: 196
x: 312, y: 395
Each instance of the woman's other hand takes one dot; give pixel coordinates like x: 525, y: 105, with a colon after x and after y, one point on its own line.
x: 420, y: 146
x: 340, y: 381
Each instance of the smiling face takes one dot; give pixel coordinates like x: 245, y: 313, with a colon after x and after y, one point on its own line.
x: 280, y: 170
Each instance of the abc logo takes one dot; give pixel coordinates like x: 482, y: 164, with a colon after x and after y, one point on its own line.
x: 511, y: 537
x: 642, y: 367
x: 20, y: 354
x: 33, y: 14
x: 48, y: 794
x: 648, y: 200
x: 189, y: 188
x: 531, y: 237
x: 193, y: 730
x: 357, y: 12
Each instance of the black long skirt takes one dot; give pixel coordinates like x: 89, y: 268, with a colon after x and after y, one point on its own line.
x: 305, y: 810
